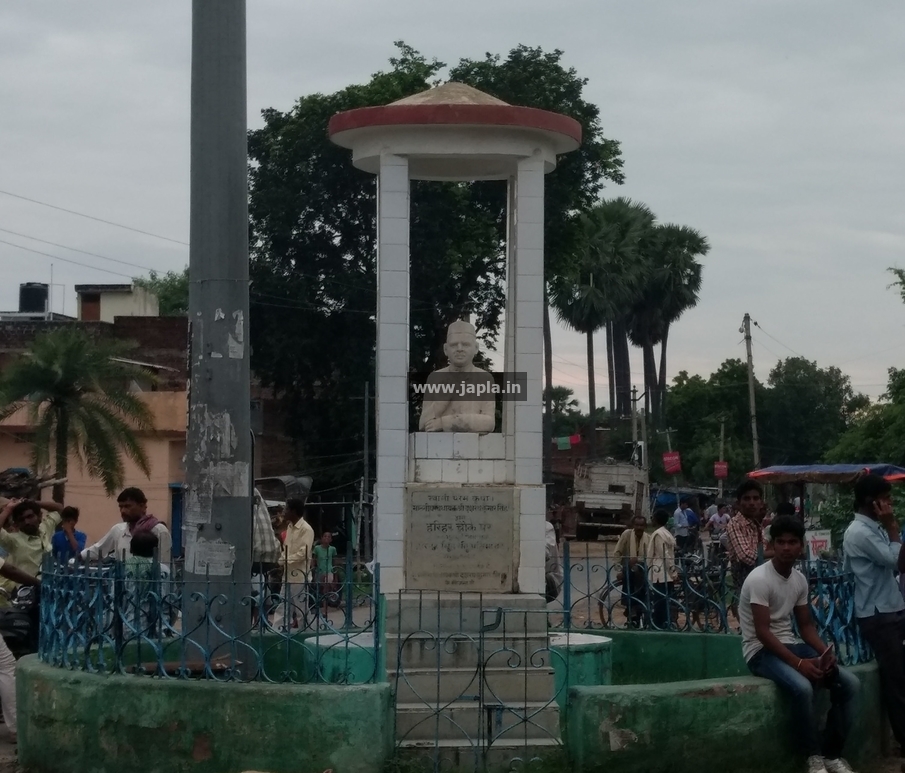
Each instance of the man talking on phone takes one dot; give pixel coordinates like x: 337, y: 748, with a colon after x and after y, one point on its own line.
x: 873, y: 552
x: 771, y: 594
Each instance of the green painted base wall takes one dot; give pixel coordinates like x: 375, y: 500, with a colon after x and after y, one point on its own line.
x: 652, y: 657
x: 73, y: 722
x: 737, y: 724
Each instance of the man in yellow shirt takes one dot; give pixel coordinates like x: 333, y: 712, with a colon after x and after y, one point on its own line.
x: 628, y: 561
x: 296, y: 557
x: 31, y: 540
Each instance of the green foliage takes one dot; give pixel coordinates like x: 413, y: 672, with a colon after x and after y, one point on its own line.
x: 171, y: 289
x: 77, y: 395
x: 876, y: 432
x: 836, y: 515
x: 313, y: 291
x: 899, y: 282
x: 803, y: 412
x: 567, y: 418
x: 792, y: 431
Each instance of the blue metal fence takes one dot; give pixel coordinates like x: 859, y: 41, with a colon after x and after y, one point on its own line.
x: 599, y: 592
x: 109, y: 618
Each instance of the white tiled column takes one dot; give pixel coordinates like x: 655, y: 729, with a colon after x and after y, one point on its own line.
x: 392, y: 368
x: 529, y: 320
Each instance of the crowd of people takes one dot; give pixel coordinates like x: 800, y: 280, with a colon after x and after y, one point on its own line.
x: 763, y: 554
x: 287, y: 561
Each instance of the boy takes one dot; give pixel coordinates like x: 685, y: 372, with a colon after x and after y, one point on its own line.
x: 324, y: 553
x: 68, y: 542
x: 772, y: 592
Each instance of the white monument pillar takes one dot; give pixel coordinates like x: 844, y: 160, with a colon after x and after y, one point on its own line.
x: 459, y: 511
x: 527, y: 271
x: 393, y: 270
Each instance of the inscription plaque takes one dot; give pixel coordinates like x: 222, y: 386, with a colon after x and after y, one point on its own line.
x: 460, y: 539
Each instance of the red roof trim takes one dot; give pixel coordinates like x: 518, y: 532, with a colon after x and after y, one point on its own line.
x: 438, y: 115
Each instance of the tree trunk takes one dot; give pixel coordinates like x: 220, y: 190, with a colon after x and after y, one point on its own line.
x: 611, y: 371
x: 61, y: 454
x: 623, y: 369
x: 651, y: 389
x: 592, y: 400
x: 662, y: 380
x: 548, y: 395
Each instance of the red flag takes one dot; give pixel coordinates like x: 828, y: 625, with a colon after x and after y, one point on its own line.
x: 672, y: 462
x: 721, y: 470
x: 574, y: 439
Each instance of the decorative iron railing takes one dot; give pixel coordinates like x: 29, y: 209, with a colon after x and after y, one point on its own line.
x: 117, y: 617
x: 700, y: 594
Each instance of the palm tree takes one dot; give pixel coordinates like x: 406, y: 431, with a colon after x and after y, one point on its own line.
x: 77, y: 394
x: 673, y: 287
x: 603, y: 281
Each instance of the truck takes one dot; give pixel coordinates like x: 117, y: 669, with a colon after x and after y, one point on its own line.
x: 606, y: 495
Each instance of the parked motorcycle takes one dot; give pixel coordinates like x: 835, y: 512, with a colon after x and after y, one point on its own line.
x: 20, y: 622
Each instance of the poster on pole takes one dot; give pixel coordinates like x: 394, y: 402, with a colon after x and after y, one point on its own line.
x: 721, y: 470
x: 672, y: 462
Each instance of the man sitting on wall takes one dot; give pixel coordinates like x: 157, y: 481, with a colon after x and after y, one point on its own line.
x: 771, y: 594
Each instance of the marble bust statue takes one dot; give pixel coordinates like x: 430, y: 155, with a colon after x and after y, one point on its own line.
x: 462, y: 400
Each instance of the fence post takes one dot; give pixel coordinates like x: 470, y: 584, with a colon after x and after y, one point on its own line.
x: 567, y: 585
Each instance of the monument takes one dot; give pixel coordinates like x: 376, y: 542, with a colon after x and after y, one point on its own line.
x: 452, y: 399
x: 459, y: 507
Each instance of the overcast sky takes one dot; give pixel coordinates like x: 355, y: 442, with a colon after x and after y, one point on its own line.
x: 777, y: 128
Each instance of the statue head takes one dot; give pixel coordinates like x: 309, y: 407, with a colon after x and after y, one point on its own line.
x: 461, y: 345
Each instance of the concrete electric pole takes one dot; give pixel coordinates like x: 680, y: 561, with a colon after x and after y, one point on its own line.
x: 217, y: 522
x: 722, y: 451
x: 746, y: 329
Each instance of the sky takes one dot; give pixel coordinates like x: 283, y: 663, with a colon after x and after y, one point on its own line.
x: 775, y: 127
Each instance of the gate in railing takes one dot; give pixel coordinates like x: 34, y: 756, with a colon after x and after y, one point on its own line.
x: 470, y: 699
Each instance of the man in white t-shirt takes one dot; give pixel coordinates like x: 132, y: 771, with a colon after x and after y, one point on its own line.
x: 771, y: 594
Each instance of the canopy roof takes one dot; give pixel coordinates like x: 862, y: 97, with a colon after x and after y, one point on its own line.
x: 825, y: 473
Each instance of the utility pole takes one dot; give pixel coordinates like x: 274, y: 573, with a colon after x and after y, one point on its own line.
x: 746, y: 329
x: 219, y: 475
x: 634, y: 419
x: 645, y: 463
x: 722, y: 449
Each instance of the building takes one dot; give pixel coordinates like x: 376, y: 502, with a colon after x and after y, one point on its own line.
x: 104, y: 303
x: 160, y: 346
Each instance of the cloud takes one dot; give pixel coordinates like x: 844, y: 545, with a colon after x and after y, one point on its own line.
x: 775, y: 128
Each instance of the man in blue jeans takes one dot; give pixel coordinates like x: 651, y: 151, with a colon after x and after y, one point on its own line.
x: 772, y: 593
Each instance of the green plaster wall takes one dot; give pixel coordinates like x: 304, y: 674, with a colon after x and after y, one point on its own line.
x: 653, y: 657
x: 73, y: 722
x: 718, y: 725
x: 303, y: 658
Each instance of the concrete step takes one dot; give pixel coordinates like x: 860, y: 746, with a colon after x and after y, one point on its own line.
x: 423, y: 650
x: 467, y: 755
x: 471, y: 720
x: 506, y: 685
x: 449, y: 613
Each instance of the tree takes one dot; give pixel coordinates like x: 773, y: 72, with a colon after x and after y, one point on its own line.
x: 805, y: 411
x: 672, y: 289
x: 171, y: 289
x: 567, y: 418
x: 899, y: 282
x: 875, y: 432
x: 313, y: 240
x: 77, y: 394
